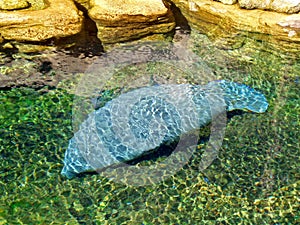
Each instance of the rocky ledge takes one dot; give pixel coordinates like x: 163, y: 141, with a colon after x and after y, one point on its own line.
x: 285, y: 6
x: 121, y: 21
x: 229, y: 25
x: 58, y: 18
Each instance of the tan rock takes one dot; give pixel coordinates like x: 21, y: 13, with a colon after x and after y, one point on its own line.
x: 119, y: 20
x: 83, y: 3
x: 14, y: 4
x: 230, y: 26
x: 59, y: 19
x: 228, y: 2
x: 285, y: 6
x: 23, y: 4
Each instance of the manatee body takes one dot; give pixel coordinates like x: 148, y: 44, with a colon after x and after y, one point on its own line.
x: 141, y: 120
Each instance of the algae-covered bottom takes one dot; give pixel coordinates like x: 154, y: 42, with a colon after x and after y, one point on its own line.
x: 254, y: 180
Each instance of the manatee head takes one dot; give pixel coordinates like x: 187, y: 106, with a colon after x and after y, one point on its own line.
x: 240, y: 96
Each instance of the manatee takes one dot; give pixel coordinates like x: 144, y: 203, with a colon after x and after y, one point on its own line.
x: 143, y: 119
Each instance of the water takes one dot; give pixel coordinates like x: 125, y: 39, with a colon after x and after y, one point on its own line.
x: 254, y: 180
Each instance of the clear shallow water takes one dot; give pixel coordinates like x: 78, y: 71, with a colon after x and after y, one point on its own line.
x: 254, y: 180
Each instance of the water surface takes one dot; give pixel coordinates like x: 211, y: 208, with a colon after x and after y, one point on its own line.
x: 254, y: 180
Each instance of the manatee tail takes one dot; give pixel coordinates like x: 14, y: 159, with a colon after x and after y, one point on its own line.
x: 240, y: 96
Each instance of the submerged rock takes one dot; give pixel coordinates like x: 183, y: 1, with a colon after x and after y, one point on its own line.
x: 119, y: 21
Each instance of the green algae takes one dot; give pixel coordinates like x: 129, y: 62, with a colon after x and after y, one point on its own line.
x: 254, y: 180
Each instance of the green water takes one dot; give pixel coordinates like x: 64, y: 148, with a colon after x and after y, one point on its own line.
x: 254, y: 180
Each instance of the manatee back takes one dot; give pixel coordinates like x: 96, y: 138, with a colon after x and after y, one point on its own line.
x: 135, y: 123
x: 143, y: 119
